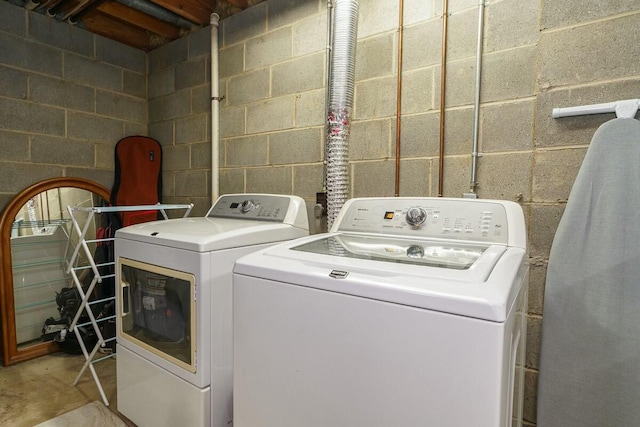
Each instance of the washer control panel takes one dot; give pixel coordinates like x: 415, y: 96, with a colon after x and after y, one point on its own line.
x: 265, y: 207
x: 455, y: 219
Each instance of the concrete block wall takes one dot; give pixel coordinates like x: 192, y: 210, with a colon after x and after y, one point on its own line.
x: 536, y: 56
x: 66, y: 98
x: 180, y: 118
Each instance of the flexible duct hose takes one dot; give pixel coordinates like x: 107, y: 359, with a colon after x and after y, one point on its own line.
x: 342, y: 79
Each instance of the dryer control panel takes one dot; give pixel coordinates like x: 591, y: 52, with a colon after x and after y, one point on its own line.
x: 485, y: 221
x: 264, y: 207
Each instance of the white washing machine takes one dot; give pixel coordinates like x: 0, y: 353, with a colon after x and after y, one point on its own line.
x: 410, y: 312
x: 174, y: 338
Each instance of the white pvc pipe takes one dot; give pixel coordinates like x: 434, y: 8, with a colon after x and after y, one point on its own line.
x: 626, y: 108
x: 215, y: 111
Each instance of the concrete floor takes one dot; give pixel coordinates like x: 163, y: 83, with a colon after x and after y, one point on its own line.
x: 37, y: 390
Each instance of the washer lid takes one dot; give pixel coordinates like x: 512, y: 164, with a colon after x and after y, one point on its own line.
x: 461, y: 278
x: 209, y: 234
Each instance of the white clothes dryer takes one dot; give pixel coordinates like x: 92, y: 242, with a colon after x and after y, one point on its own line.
x: 173, y: 324
x: 411, y: 312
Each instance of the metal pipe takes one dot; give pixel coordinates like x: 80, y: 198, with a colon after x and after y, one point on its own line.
x: 159, y: 13
x: 443, y: 80
x: 399, y: 95
x: 476, y: 105
x: 343, y: 60
x: 327, y: 93
x: 215, y: 110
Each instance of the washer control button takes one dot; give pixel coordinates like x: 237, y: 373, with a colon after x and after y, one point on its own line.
x: 415, y: 251
x: 247, y: 206
x: 416, y: 216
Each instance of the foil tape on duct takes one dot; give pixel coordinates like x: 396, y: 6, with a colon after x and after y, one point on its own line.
x: 340, y: 105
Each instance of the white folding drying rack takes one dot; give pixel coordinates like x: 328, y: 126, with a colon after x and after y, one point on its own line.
x: 85, y: 304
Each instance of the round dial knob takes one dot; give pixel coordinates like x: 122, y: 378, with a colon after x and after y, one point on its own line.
x: 416, y: 216
x: 247, y: 205
x: 415, y: 251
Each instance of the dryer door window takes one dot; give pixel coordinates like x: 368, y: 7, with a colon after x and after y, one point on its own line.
x: 157, y: 311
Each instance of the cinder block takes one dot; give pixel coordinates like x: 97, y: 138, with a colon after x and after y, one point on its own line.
x: 418, y: 10
x: 29, y: 117
x: 373, y: 179
x: 507, y: 126
x: 509, y: 74
x: 104, y: 156
x: 201, y: 155
x: 231, y: 60
x: 418, y: 91
x: 201, y: 99
x: 285, y: 12
x: 456, y: 5
x: 61, y: 151
x: 577, y: 130
x: 370, y: 140
x: 18, y: 176
x: 556, y: 14
x: 162, y: 83
x: 231, y: 181
x: 542, y: 227
x: 249, y: 23
x: 191, y: 73
x: 299, y: 75
x: 462, y: 35
x: 246, y: 151
x: 192, y: 183
x: 13, y: 83
x: 268, y: 49
x: 101, y: 176
x: 585, y: 54
x: 534, y: 333
x: 274, y: 180
x: 192, y: 128
x: 14, y: 146
x: 14, y: 19
x: 510, y: 24
x: 163, y: 132
x: 422, y: 45
x: 537, y: 279
x: 375, y: 57
x: 120, y: 55
x: 307, y: 180
x: 176, y: 158
x: 94, y: 128
x: 554, y: 172
x: 297, y: 146
x: 168, y: 55
x: 456, y: 176
x: 375, y: 98
x: 59, y: 36
x: 415, y: 178
x: 174, y: 105
x: 134, y: 84
x: 168, y: 185
x: 420, y: 135
x: 377, y: 17
x: 310, y: 108
x: 200, y: 42
x: 270, y: 115
x: 307, y: 35
x: 530, y: 396
x: 232, y: 121
x: 121, y: 106
x: 136, y: 128
x: 458, y: 131
x: 248, y: 87
x: 92, y: 73
x: 20, y: 53
x: 61, y: 93
x: 460, y: 83
x: 505, y: 176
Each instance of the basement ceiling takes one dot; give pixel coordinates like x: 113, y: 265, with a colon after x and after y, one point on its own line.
x: 143, y: 24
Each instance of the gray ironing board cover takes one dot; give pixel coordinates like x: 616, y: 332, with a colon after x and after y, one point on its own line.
x: 590, y: 356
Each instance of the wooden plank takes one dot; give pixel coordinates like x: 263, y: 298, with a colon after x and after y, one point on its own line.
x: 99, y: 23
x: 197, y: 11
x: 138, y: 19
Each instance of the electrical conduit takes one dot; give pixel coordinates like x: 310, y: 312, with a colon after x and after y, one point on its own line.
x: 215, y: 110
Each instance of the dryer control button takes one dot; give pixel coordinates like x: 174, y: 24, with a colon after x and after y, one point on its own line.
x: 416, y: 216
